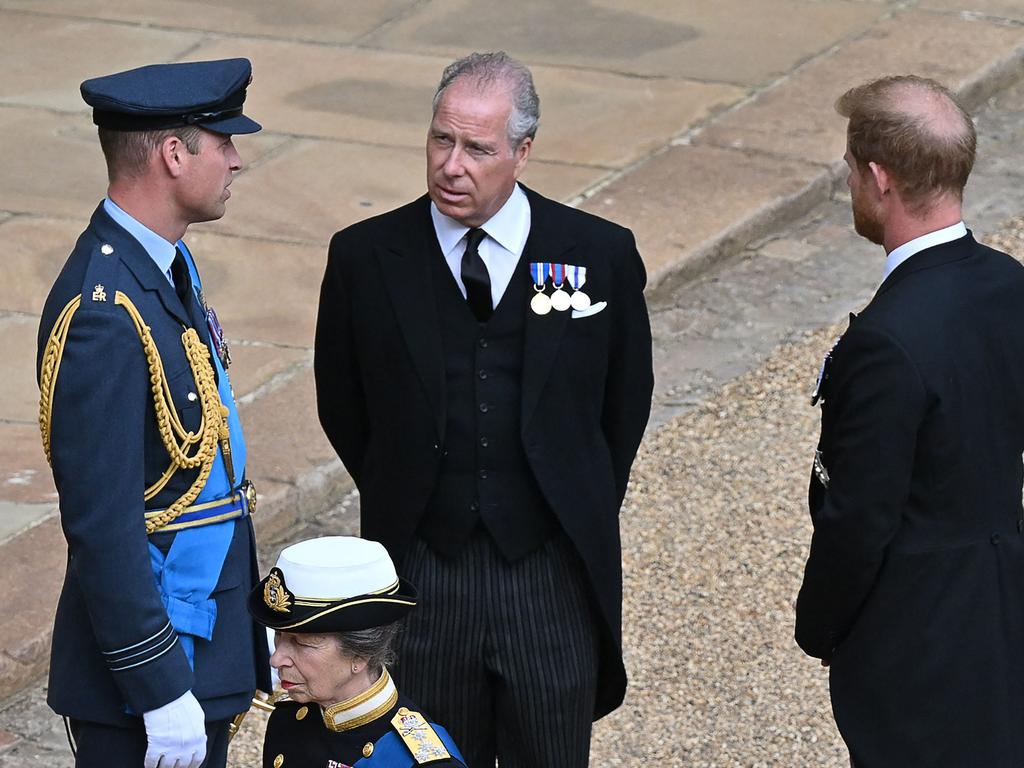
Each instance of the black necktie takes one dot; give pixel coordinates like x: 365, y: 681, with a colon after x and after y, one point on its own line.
x: 183, y: 287
x: 475, y: 277
x: 182, y: 280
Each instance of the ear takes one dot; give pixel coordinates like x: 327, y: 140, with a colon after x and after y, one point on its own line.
x: 172, y: 155
x: 522, y: 154
x: 881, y: 178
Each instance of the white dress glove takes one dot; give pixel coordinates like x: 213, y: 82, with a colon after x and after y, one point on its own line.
x: 176, y: 734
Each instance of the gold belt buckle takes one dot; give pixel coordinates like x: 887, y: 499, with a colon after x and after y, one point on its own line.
x: 248, y: 491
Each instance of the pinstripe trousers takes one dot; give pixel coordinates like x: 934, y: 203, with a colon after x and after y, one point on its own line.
x: 504, y: 655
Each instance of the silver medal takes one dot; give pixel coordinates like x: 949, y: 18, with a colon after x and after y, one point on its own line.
x: 580, y: 301
x: 560, y: 299
x: 540, y: 303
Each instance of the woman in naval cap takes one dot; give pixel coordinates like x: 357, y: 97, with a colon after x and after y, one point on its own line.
x: 335, y: 604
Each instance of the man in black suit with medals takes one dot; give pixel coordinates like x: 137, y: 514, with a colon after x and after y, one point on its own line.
x: 153, y: 649
x: 912, y: 588
x: 483, y: 368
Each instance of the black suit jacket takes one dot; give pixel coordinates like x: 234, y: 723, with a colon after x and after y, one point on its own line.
x: 914, y: 587
x: 586, y: 385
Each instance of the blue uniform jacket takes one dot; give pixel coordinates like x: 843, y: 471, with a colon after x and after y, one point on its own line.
x: 114, y: 653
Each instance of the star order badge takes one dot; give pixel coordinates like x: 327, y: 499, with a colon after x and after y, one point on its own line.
x: 276, y: 594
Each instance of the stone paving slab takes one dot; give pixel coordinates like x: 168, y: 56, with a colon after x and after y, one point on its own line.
x: 262, y: 291
x: 33, y: 75
x: 31, y: 562
x: 289, y: 413
x: 25, y: 478
x: 34, y: 249
x: 258, y: 367
x: 384, y: 98
x: 731, y: 41
x: 688, y: 203
x: 310, y: 189
x: 796, y: 119
x: 1000, y: 9
x: 63, y: 175
x: 19, y: 393
x: 58, y: 170
x: 324, y: 21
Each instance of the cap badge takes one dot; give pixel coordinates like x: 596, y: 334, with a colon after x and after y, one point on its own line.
x: 99, y: 293
x: 276, y: 594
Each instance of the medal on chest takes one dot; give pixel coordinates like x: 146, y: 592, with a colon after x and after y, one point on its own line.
x: 220, y: 344
x: 559, y: 299
x: 577, y: 276
x: 540, y: 303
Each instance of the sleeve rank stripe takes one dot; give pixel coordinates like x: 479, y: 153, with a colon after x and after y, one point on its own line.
x: 152, y: 637
x: 147, y: 651
x: 147, y: 661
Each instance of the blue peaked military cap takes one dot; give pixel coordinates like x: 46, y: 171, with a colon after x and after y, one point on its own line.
x: 208, y: 94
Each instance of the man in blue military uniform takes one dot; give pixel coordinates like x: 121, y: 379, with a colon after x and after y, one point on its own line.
x: 153, y: 650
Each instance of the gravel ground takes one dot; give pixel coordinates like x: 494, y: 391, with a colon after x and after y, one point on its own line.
x: 715, y: 532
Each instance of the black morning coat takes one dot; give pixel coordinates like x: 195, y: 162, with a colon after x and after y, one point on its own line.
x: 114, y: 656
x: 586, y: 386
x: 914, y: 588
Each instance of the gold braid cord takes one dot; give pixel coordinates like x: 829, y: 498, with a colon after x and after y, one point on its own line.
x: 176, y: 439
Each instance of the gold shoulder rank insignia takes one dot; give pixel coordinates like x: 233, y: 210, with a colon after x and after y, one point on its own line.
x: 421, y: 740
x: 99, y: 293
x: 276, y: 594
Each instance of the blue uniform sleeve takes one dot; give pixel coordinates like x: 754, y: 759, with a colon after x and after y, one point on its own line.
x: 98, y: 427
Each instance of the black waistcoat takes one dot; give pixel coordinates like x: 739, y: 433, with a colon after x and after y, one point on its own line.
x: 484, y: 475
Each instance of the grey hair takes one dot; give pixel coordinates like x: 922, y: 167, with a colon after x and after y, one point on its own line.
x: 486, y: 69
x: 373, y: 644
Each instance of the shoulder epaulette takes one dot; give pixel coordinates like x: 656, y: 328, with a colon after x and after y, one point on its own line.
x: 419, y: 736
x: 100, y: 283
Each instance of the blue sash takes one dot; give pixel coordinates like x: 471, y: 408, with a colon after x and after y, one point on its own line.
x: 189, y: 572
x: 187, y: 576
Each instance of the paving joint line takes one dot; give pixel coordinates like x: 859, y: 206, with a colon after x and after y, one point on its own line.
x: 276, y: 382
x: 401, y: 15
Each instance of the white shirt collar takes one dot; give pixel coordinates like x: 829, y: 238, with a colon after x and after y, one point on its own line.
x: 159, y: 250
x: 945, y: 235
x: 509, y: 227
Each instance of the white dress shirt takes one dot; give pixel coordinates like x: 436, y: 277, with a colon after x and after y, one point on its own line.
x: 945, y: 235
x: 500, y: 250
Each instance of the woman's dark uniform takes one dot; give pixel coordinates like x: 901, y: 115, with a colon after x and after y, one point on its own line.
x: 298, y: 735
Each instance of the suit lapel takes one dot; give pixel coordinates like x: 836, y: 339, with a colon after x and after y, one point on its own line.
x: 405, y: 271
x: 134, y: 256
x: 543, y: 333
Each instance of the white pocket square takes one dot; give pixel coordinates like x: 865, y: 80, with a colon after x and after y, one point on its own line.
x: 593, y: 309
